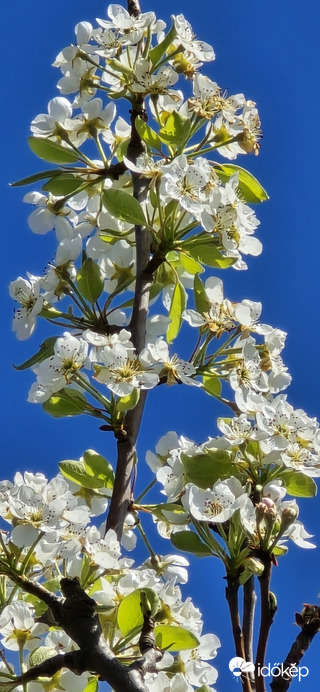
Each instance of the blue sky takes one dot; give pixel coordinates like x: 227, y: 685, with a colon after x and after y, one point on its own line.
x: 269, y: 51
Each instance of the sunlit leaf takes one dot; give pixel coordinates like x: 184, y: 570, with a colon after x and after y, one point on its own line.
x: 298, y: 484
x: 30, y: 179
x: 178, y: 304
x: 76, y: 471
x: 129, y: 612
x: 147, y: 134
x: 67, y: 402
x: 158, y: 51
x: 98, y: 467
x: 90, y: 280
x: 251, y: 189
x: 174, y: 638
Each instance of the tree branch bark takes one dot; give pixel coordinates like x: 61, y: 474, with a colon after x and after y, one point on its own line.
x: 309, y: 621
x: 75, y: 614
x: 232, y: 599
x: 268, y: 611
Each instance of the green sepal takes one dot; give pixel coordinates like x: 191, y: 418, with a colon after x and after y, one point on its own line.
x: 48, y: 150
x: 249, y: 186
x: 178, y: 304
x: 66, y: 402
x: 46, y: 350
x: 90, y: 280
x: 98, y: 467
x: 172, y: 638
x: 124, y: 207
x: 189, y: 542
x: 130, y: 616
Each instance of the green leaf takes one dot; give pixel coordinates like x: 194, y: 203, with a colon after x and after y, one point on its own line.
x: 211, y: 256
x: 250, y: 187
x: 190, y: 264
x: 178, y: 304
x: 126, y: 403
x: 41, y: 654
x: 51, y: 151
x: 98, y: 467
x: 129, y: 612
x: 90, y: 281
x: 124, y: 207
x: 204, y: 470
x: 201, y: 299
x: 67, y: 402
x: 158, y: 51
x: 46, y: 350
x: 35, y: 177
x: 160, y: 512
x: 298, y: 484
x: 190, y: 543
x: 92, y: 685
x: 174, y: 638
x: 212, y: 385
x: 63, y: 184
x: 176, y: 129
x: 147, y: 134
x: 76, y: 471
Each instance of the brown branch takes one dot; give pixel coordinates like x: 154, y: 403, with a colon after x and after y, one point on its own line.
x: 232, y: 599
x: 249, y: 603
x: 75, y: 614
x: 134, y: 8
x: 309, y: 621
x: 267, y: 612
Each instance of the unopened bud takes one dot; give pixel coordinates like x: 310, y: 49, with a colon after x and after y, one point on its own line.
x: 254, y: 566
x: 288, y: 516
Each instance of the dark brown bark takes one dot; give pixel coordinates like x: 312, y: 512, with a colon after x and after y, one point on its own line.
x: 75, y: 614
x: 309, y: 621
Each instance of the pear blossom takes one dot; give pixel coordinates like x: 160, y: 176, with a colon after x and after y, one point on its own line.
x: 57, y: 122
x: 18, y: 627
x: 173, y: 368
x: 122, y: 373
x: 54, y: 373
x: 186, y: 37
x: 214, y: 505
x: 27, y: 294
x: 49, y: 214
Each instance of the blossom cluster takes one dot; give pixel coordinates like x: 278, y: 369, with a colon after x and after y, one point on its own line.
x: 50, y: 527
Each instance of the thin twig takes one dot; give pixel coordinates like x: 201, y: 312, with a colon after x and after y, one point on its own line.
x: 267, y: 609
x: 232, y: 599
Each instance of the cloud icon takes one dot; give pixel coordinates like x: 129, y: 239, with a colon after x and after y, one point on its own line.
x: 238, y: 665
